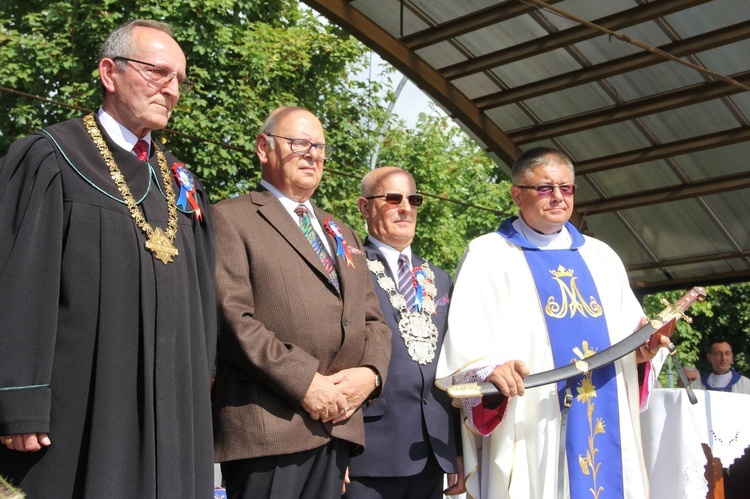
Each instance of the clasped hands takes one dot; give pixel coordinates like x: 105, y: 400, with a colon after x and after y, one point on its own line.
x: 336, y: 397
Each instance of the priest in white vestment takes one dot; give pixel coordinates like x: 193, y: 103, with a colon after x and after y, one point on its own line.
x: 533, y: 296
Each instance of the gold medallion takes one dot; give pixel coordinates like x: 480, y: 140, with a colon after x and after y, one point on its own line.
x: 161, y: 246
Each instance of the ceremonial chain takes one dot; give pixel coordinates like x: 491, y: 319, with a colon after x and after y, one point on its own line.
x: 417, y: 330
x: 160, y: 243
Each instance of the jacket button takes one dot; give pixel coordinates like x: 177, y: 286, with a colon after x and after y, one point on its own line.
x: 425, y: 401
x: 346, y: 322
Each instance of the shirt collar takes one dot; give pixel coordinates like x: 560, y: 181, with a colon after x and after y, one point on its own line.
x: 391, y: 254
x: 288, y: 203
x: 118, y: 133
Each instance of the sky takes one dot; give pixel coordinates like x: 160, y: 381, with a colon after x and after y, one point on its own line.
x: 411, y: 101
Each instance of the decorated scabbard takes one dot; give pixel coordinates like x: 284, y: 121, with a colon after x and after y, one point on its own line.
x: 661, y: 325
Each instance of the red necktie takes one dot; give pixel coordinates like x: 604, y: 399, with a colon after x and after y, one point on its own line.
x: 141, y: 150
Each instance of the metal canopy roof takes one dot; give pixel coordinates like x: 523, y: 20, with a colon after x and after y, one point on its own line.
x: 647, y: 97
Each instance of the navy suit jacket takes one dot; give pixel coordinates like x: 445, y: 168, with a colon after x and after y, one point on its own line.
x: 412, y: 417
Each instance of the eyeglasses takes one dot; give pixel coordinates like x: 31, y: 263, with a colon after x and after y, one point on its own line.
x: 547, y: 190
x: 302, y: 146
x: 160, y: 76
x: 397, y: 197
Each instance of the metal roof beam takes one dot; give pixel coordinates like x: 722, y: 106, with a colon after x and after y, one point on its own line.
x: 468, y: 23
x: 665, y: 101
x: 688, y: 46
x: 688, y: 282
x: 652, y: 153
x: 561, y: 39
x: 692, y: 260
x: 666, y: 194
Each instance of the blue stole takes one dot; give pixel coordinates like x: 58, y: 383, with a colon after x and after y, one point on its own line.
x: 577, y: 328
x: 735, y: 378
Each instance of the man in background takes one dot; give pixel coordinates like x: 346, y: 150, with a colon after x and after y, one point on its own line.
x: 721, y: 377
x: 302, y: 342
x: 410, y: 431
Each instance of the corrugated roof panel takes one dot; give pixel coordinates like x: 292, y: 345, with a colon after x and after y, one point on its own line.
x: 662, y: 227
x: 742, y: 101
x: 606, y: 48
x: 653, y: 80
x: 476, y: 85
x: 727, y: 59
x: 635, y: 178
x: 441, y: 55
x: 510, y: 117
x: 727, y: 160
x: 610, y: 229
x: 533, y: 69
x: 732, y: 208
x: 587, y: 9
x: 387, y: 14
x: 446, y: 10
x: 708, y: 17
x: 690, y: 121
x: 571, y: 101
x: 501, y: 36
x: 604, y: 141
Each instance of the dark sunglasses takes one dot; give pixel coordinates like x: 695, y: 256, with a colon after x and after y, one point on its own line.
x: 396, y: 198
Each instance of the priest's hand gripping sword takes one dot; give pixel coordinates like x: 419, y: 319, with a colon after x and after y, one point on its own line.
x: 661, y: 325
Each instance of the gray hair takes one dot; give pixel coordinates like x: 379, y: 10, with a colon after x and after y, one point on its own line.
x: 525, y: 164
x: 119, y: 43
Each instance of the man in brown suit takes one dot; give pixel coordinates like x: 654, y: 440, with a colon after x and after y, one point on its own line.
x: 302, y: 343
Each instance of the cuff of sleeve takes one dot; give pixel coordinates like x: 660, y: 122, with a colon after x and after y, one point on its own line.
x: 25, y: 410
x: 486, y: 419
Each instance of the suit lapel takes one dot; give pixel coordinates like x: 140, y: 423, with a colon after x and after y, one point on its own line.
x: 275, y: 214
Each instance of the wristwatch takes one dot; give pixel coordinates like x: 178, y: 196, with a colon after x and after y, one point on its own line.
x: 378, y: 381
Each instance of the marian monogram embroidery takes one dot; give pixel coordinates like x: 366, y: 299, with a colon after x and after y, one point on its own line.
x: 571, y: 300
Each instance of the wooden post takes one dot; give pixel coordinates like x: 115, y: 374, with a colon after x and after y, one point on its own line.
x: 714, y: 475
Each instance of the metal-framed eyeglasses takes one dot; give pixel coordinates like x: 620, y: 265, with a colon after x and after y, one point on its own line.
x: 302, y: 146
x: 396, y: 198
x: 160, y: 76
x: 545, y: 190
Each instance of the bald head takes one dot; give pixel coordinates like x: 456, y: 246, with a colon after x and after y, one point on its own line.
x: 295, y: 174
x: 389, y: 222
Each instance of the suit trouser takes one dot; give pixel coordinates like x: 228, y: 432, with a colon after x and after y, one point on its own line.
x: 312, y: 474
x: 427, y: 484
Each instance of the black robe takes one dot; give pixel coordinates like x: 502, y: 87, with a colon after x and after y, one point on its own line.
x: 103, y: 346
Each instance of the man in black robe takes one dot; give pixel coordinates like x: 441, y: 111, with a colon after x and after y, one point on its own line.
x: 107, y: 322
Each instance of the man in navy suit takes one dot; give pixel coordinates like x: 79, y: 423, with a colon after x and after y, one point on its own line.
x: 410, y: 433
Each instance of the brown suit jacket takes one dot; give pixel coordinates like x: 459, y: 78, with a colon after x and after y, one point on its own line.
x: 280, y: 322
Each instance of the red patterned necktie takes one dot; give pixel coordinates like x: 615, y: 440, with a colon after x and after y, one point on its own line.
x: 317, y: 244
x: 406, y: 282
x: 141, y: 150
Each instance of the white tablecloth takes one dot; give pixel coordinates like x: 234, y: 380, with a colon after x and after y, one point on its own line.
x: 673, y: 431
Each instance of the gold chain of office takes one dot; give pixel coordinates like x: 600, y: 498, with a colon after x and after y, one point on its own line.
x: 160, y: 243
